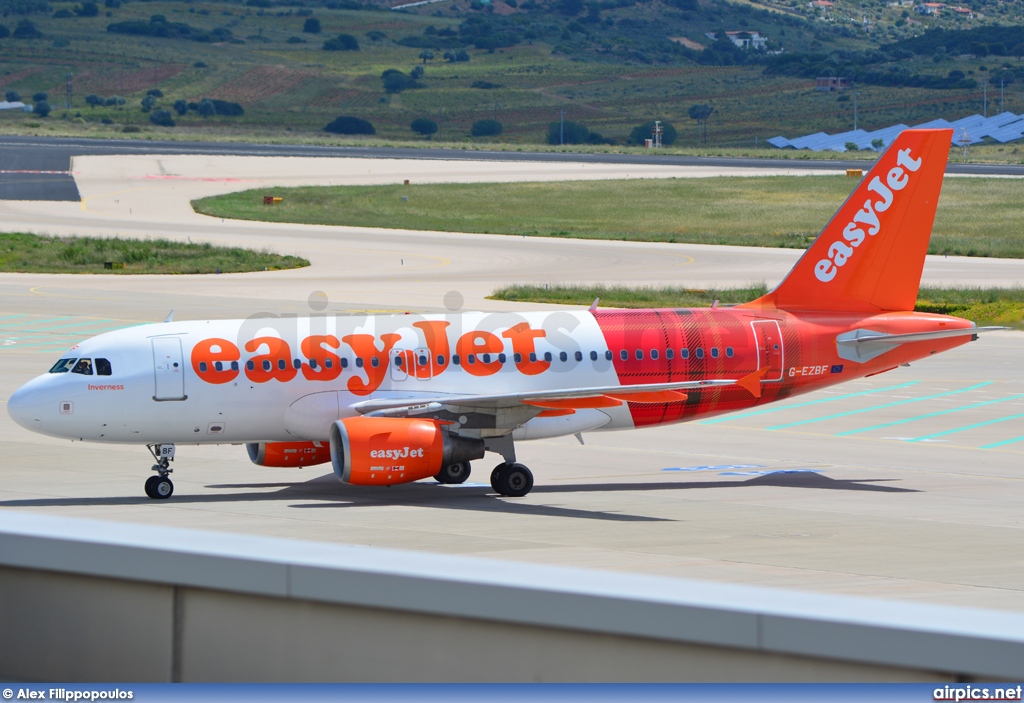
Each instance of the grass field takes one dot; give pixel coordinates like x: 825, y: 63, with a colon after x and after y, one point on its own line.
x: 976, y: 216
x: 29, y: 253
x: 988, y: 306
x: 292, y: 88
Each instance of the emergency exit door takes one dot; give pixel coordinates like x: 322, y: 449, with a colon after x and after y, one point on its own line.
x: 770, y: 354
x: 168, y: 369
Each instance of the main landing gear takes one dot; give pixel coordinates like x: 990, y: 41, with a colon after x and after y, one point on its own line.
x: 512, y: 480
x: 159, y: 487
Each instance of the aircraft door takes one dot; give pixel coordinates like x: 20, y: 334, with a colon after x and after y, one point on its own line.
x: 168, y: 369
x: 401, y: 364
x: 770, y: 354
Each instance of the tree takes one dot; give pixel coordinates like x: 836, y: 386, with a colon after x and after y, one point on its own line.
x: 642, y: 132
x: 4, y: 33
x: 148, y: 103
x: 87, y: 9
x: 424, y: 126
x: 701, y: 113
x: 427, y: 55
x: 206, y: 108
x: 115, y: 100
x: 26, y: 29
x: 12, y: 96
x: 486, y: 128
x: 394, y: 81
x: 42, y: 108
x: 567, y: 133
x: 180, y: 106
x: 155, y: 92
x: 350, y: 125
x: 162, y: 118
x: 455, y: 56
x: 877, y: 144
x: 92, y: 100
x: 852, y: 146
x: 416, y: 73
x: 311, y: 26
x: 40, y: 97
x: 342, y: 42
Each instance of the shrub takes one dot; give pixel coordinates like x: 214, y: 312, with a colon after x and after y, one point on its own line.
x: 26, y: 29
x: 180, y: 106
x: 486, y: 128
x: 12, y: 96
x: 40, y: 97
x: 350, y: 125
x: 852, y: 146
x: 424, y: 126
x: 311, y: 26
x: 342, y: 42
x: 162, y: 118
x: 87, y: 9
x: 155, y: 92
x: 572, y: 132
x: 206, y: 108
x: 92, y: 100
x: 42, y: 108
x: 394, y: 81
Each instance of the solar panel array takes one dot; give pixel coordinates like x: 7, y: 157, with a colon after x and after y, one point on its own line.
x: 1004, y: 127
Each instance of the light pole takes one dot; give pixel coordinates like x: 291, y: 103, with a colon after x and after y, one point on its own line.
x: 855, y: 110
x: 561, y: 127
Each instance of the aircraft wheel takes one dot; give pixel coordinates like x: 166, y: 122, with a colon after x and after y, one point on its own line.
x: 514, y: 480
x: 454, y: 473
x: 496, y: 477
x: 150, y: 490
x: 162, y: 488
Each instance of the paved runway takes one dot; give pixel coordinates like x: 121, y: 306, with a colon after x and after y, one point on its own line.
x: 907, y: 485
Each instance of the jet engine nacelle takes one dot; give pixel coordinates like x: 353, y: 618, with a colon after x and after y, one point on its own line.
x: 289, y: 454
x: 382, y: 451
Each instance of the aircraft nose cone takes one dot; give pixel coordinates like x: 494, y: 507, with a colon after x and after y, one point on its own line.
x: 23, y: 407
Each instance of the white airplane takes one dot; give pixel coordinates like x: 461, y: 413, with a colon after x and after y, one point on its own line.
x: 396, y: 398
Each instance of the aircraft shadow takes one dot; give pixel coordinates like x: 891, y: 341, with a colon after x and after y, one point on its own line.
x: 326, y: 492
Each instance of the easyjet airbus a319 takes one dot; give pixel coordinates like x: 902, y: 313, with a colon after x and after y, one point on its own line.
x: 390, y: 399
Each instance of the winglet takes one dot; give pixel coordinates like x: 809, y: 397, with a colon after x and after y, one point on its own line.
x: 752, y: 382
x: 170, y: 317
x: 593, y: 305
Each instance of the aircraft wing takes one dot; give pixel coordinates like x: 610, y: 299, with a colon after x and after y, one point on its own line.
x: 571, y: 398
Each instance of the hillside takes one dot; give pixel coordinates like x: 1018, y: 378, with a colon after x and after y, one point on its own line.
x: 610, y: 65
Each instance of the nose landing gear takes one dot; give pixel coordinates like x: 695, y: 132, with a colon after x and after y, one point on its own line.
x: 159, y: 487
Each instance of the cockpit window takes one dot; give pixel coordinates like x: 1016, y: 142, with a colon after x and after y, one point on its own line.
x: 84, y: 367
x: 63, y: 366
x: 103, y: 367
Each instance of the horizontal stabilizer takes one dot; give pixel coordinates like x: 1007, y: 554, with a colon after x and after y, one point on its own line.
x: 864, y: 345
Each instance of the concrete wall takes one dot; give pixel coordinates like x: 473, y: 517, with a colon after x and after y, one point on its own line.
x: 83, y: 600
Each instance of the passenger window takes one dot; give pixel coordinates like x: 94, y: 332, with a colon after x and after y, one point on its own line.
x: 455, y: 359
x: 533, y: 356
x: 62, y: 366
x: 714, y: 352
x: 374, y: 362
x: 398, y: 361
x: 684, y: 353
x: 639, y: 354
x: 654, y: 354
x: 728, y: 352
x: 84, y: 367
x: 250, y: 365
x: 328, y: 363
x: 282, y: 364
x: 312, y: 363
x: 502, y: 358
x: 344, y: 363
x: 593, y: 356
x: 217, y: 366
x: 422, y: 360
x: 297, y: 363
x: 518, y: 357
x: 103, y: 367
x: 234, y: 365
x: 669, y: 353
x: 486, y: 358
x: 562, y: 356
x: 547, y: 356
x: 624, y: 355
x: 700, y: 352
x: 440, y: 359
x: 579, y: 356
x: 203, y: 367
x: 359, y: 362
x: 266, y: 365
x: 470, y: 358
x: 608, y: 355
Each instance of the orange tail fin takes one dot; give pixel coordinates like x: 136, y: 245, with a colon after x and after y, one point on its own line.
x: 870, y: 255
